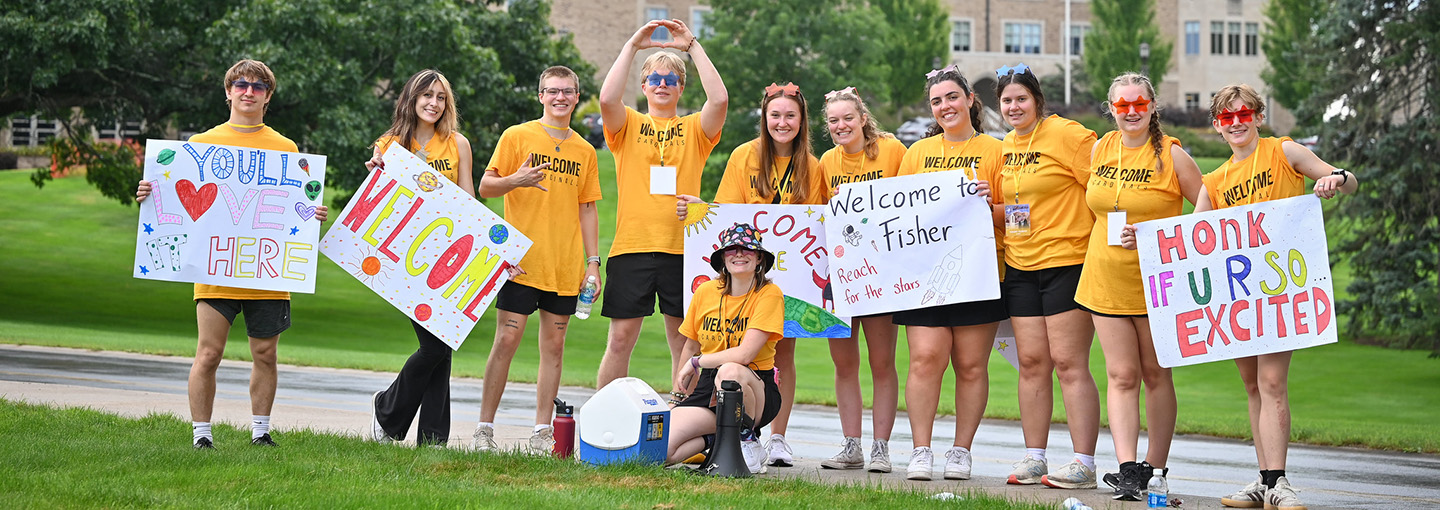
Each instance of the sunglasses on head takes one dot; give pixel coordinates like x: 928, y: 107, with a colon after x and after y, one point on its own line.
x: 788, y: 89
x: 656, y: 79
x: 955, y: 68
x: 255, y: 86
x: 1004, y: 71
x: 831, y: 94
x: 1227, y: 117
x: 1125, y: 106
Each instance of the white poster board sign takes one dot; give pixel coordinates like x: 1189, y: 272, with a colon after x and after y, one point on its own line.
x: 1237, y: 282
x: 910, y: 242
x: 796, y: 235
x: 424, y: 245
x: 231, y: 216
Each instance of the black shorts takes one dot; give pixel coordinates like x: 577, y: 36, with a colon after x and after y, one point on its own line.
x: 633, y: 280
x: 956, y: 315
x: 264, y: 318
x: 524, y: 299
x: 1042, y: 292
x: 705, y: 387
x: 1111, y: 315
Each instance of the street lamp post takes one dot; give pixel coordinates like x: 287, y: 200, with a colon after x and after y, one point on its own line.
x: 1145, y: 59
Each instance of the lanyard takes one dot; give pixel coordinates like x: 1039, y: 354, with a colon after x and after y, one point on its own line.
x: 1015, y: 174
x: 730, y: 328
x: 1120, y: 166
x: 789, y: 170
x: 1254, y: 157
x: 659, y: 144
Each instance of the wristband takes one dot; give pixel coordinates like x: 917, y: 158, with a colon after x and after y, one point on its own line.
x: 592, y: 258
x: 688, y: 46
x: 1344, y: 176
x: 695, y: 362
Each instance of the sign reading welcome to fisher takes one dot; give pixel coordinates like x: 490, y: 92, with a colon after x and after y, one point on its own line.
x: 1237, y: 282
x: 231, y: 216
x: 910, y: 242
x: 424, y: 245
x: 795, y: 234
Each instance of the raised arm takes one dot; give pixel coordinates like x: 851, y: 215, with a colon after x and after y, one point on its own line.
x: 717, y: 99
x: 612, y: 92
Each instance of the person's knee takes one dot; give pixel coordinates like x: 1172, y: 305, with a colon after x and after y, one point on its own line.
x: 928, y: 361
x: 1126, y: 378
x: 972, y: 373
x: 208, y: 357
x: 1156, y: 376
x: 1273, y: 386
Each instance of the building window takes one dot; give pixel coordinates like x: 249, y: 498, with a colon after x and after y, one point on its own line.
x: 1192, y: 100
x: 1234, y: 38
x: 960, y: 36
x: 32, y: 131
x: 1192, y: 37
x: 1252, y: 38
x: 1022, y: 38
x: 654, y: 13
x: 697, y: 22
x: 1077, y: 38
x: 120, y: 130
x: 1234, y: 8
x: 1217, y: 38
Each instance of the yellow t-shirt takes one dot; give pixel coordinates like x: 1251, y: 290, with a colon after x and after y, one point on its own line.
x: 267, y: 139
x: 719, y: 321
x: 1049, y: 167
x: 842, y: 168
x: 737, y: 186
x: 1265, y: 175
x: 643, y: 222
x: 1110, y: 282
x: 556, y: 262
x: 442, y: 154
x: 980, y: 159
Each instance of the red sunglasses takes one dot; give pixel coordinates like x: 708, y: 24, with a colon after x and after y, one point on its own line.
x: 1124, y: 106
x: 1227, y: 117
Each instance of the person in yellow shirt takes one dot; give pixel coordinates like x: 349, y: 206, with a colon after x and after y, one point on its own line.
x: 659, y: 152
x: 1137, y: 174
x: 1263, y: 169
x: 426, y: 122
x: 775, y: 168
x: 960, y: 333
x: 249, y: 87
x: 547, y: 174
x: 731, y: 329
x: 862, y: 153
x: 1047, y: 229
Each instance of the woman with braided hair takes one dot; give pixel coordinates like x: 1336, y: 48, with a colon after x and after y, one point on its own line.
x: 1137, y: 174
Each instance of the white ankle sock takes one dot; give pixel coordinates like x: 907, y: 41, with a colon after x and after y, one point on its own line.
x: 541, y: 426
x: 1036, y: 453
x: 960, y: 449
x: 489, y: 424
x: 1087, y: 460
x: 201, y: 429
x: 259, y: 426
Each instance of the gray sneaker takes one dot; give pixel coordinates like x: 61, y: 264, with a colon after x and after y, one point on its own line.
x: 920, y: 468
x: 755, y: 456
x: 1028, y: 471
x: 1282, y: 497
x: 542, y: 442
x: 484, y: 439
x: 957, y: 464
x: 849, y: 457
x: 1252, y: 496
x: 880, y: 456
x: 377, y: 433
x: 1073, y: 475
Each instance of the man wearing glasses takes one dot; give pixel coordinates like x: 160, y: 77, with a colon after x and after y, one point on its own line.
x: 657, y: 156
x: 550, y: 181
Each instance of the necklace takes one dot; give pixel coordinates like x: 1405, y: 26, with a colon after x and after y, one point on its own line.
x: 945, y: 153
x: 423, y: 153
x: 553, y: 140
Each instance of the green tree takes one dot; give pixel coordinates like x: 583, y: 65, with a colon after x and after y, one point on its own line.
x: 1113, y: 45
x: 1290, y: 24
x: 1376, y: 113
x: 918, y: 38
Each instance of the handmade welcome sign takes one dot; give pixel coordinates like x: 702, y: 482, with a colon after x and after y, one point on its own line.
x: 910, y: 242
x: 231, y: 216
x: 427, y: 247
x: 1237, y: 282
x: 796, y: 235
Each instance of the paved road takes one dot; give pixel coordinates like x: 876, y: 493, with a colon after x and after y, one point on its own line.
x: 1202, y: 468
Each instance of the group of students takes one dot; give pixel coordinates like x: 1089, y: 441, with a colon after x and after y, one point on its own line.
x: 1053, y: 187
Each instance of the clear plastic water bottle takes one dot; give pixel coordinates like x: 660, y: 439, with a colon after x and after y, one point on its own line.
x: 587, y: 298
x: 1157, y: 492
x: 1074, y: 504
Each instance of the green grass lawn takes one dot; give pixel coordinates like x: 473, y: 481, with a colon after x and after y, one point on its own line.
x: 67, y: 282
x: 104, y: 461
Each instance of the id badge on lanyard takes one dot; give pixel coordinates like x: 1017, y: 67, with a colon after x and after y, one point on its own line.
x: 1017, y: 220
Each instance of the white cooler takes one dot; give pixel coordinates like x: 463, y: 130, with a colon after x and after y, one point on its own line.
x: 626, y: 421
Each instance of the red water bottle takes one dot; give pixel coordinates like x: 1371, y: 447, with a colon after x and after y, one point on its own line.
x: 564, y: 426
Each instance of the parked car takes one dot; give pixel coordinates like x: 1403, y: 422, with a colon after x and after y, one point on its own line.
x: 913, y: 130
x: 1310, y: 142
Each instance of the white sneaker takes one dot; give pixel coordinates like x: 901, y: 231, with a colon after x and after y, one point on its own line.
x: 880, y: 456
x: 1028, y: 471
x: 755, y: 456
x: 779, y: 452
x: 484, y: 439
x: 920, y: 464
x: 542, y: 442
x: 957, y: 464
x: 1073, y: 475
x: 849, y: 457
x: 1282, y: 496
x: 377, y: 433
x: 1252, y: 496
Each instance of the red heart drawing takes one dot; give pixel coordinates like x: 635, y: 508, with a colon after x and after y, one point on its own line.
x: 196, y: 202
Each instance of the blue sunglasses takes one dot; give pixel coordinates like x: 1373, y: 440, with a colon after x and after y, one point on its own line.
x: 1004, y: 71
x: 670, y: 80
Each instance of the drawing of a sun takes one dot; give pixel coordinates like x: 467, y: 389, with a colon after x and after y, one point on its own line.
x: 366, y: 267
x: 698, y: 216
